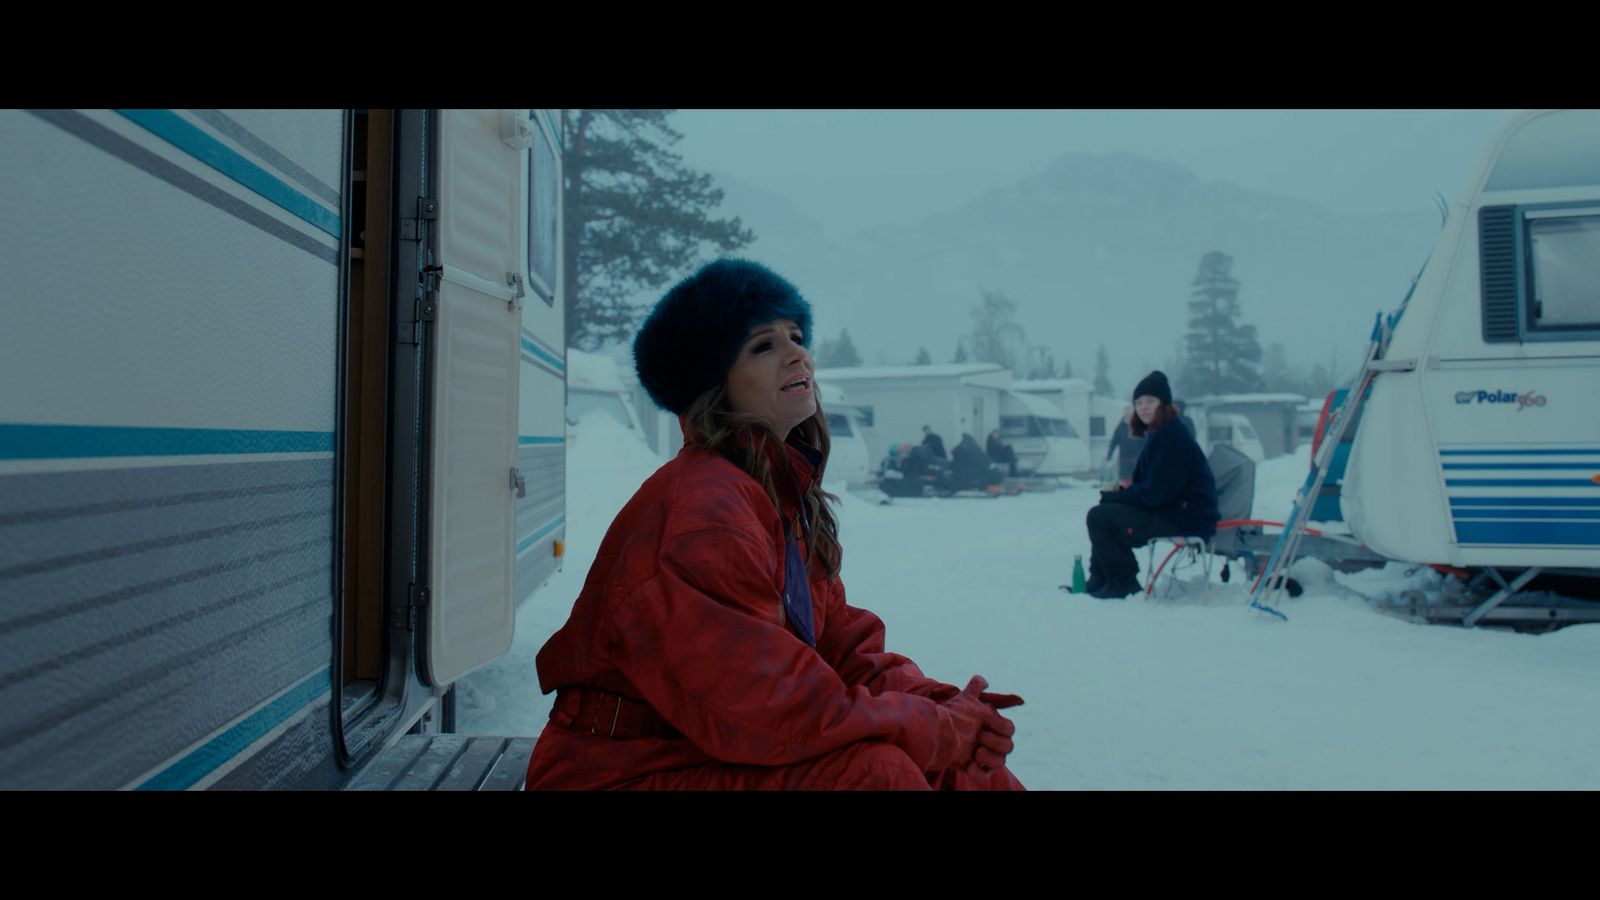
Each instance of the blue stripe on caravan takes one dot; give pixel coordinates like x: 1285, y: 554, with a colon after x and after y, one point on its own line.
x: 1528, y: 533
x: 541, y: 343
x: 173, y: 129
x: 541, y: 365
x: 533, y: 440
x: 89, y: 441
x: 206, y: 758
x: 1520, y: 452
x: 542, y: 353
x: 1546, y: 513
x: 1524, y: 466
x: 526, y: 542
x: 1590, y: 502
x: 1520, y: 482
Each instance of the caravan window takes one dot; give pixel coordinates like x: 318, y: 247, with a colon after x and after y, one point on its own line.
x: 1565, y: 258
x: 542, y: 201
x: 1097, y: 426
x: 1540, y: 265
x: 1019, y: 426
x: 1058, y: 428
x: 1221, y: 433
x: 839, y: 424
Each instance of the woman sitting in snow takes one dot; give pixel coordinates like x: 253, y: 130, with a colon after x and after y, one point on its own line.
x: 1172, y: 493
x: 711, y: 645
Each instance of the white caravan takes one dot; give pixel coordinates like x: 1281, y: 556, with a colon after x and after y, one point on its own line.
x: 594, y: 386
x: 1229, y: 428
x: 1480, y: 443
x: 848, y: 460
x: 953, y: 398
x: 1044, y: 441
x: 281, y: 443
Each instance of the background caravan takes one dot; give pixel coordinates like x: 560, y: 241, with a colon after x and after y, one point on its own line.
x: 282, y: 446
x: 954, y: 398
x: 848, y: 460
x: 1044, y: 440
x: 1479, y: 444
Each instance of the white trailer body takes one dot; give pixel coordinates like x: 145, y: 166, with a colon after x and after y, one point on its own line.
x: 1480, y: 442
x: 281, y: 446
x: 953, y: 399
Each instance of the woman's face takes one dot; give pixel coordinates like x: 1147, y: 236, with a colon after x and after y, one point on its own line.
x: 771, y: 377
x: 1146, y: 408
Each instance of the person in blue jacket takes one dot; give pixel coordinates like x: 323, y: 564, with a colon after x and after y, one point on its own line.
x: 1172, y: 493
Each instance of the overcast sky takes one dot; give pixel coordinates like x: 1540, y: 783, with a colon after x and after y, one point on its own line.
x: 851, y: 169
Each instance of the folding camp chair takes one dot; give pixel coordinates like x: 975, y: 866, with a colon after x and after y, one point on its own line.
x: 1235, y: 477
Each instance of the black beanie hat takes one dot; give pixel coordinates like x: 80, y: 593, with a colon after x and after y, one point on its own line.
x: 1154, y: 385
x: 690, y: 340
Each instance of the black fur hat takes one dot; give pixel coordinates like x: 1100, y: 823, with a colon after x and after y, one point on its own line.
x: 692, y: 337
x: 1154, y: 385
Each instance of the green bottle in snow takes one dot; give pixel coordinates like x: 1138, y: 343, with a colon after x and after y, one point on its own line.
x: 1078, y: 586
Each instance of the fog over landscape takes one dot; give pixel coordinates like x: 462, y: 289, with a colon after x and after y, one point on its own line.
x: 1092, y: 222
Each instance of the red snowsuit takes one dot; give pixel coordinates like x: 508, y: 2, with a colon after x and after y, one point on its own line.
x: 681, y: 617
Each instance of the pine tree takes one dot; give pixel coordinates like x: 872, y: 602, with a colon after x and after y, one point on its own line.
x: 838, y: 354
x: 635, y: 218
x: 1222, y: 354
x: 961, y: 352
x: 923, y: 359
x: 1102, y: 372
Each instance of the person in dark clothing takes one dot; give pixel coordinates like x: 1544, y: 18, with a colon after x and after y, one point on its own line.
x: 1172, y: 493
x: 1002, y: 452
x: 971, y: 466
x: 1125, y: 445
x: 1183, y: 418
x: 933, y: 442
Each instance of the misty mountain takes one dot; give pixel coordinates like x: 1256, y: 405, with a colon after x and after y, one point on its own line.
x: 1098, y: 247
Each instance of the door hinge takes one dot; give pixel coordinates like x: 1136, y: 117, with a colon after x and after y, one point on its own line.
x: 427, y: 211
x: 428, y: 306
x: 416, y: 603
x: 514, y: 279
x: 519, y: 482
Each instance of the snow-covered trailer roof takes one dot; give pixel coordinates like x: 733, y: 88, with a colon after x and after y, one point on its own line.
x: 1047, y: 385
x: 593, y: 372
x: 1033, y: 405
x: 987, y: 374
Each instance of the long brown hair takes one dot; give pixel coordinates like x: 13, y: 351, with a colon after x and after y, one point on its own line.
x: 745, y: 441
x: 1165, y: 413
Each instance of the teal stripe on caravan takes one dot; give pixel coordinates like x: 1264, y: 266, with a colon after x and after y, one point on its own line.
x: 542, y: 352
x: 527, y: 542
x: 534, y: 440
x: 207, y: 757
x: 1520, y: 452
x: 172, y: 128
x: 1520, y: 482
x: 89, y: 441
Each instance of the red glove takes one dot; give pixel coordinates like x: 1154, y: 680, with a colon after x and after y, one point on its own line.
x: 972, y: 735
x: 1000, y: 701
x: 994, y: 745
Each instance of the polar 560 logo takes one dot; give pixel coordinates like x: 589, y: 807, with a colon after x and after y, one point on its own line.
x: 1522, y: 401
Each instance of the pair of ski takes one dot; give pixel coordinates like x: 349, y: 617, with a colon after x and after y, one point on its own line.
x: 1273, y: 581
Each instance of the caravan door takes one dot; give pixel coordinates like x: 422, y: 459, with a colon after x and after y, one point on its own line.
x: 476, y: 355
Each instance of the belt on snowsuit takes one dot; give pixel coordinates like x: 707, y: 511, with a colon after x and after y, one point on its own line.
x: 609, y: 715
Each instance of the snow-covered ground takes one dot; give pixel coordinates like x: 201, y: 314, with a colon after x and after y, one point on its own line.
x: 1192, y: 692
